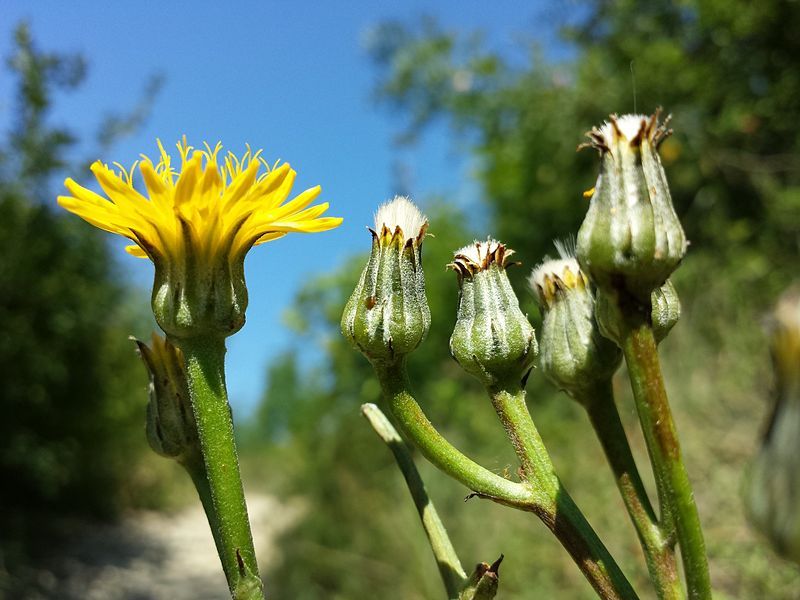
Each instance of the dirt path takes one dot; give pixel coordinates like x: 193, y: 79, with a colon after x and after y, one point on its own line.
x: 155, y: 556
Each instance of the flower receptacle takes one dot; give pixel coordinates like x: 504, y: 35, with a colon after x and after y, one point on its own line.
x: 616, y: 315
x: 194, y: 297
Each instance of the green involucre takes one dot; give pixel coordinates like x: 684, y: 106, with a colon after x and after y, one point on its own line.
x: 492, y: 340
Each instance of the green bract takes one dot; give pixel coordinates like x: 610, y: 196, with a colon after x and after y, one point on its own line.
x: 192, y: 297
x: 387, y: 316
x: 492, y: 339
x: 631, y: 239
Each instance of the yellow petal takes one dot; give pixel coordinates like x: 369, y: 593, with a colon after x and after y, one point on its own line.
x: 188, y: 181
x: 298, y: 203
x: 136, y: 250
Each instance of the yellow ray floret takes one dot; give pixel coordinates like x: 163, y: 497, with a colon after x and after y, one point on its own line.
x: 212, y: 207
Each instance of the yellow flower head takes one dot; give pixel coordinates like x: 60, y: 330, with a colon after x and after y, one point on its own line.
x: 196, y: 224
x: 211, y: 206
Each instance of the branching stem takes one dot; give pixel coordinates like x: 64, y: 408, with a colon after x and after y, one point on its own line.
x: 560, y: 513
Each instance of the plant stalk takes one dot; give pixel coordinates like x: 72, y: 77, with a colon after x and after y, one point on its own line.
x: 441, y: 453
x: 453, y: 575
x: 560, y: 514
x: 205, y: 372
x: 661, y: 437
x: 196, y: 469
x: 658, y: 550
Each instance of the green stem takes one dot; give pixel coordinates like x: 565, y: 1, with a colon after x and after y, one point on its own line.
x: 196, y: 468
x: 441, y: 453
x: 675, y: 491
x: 659, y: 553
x: 560, y: 514
x: 453, y: 575
x: 205, y: 371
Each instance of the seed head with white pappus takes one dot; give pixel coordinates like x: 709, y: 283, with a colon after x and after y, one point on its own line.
x: 387, y: 316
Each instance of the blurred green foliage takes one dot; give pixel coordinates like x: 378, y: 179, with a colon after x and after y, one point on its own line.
x: 73, y: 393
x: 727, y: 71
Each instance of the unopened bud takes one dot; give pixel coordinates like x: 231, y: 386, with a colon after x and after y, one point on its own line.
x: 483, y: 583
x: 171, y: 429
x: 573, y: 353
x: 665, y: 312
x: 492, y: 339
x: 387, y: 315
x: 631, y: 239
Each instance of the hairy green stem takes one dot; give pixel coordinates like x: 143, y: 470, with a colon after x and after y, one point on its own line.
x: 196, y: 469
x: 453, y: 575
x: 658, y: 551
x: 560, y: 514
x: 205, y: 372
x: 644, y: 369
x: 441, y: 453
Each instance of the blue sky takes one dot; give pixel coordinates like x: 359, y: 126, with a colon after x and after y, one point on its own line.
x: 291, y: 78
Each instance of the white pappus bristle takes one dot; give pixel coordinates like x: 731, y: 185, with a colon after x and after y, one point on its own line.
x: 628, y: 125
x: 400, y: 212
x: 477, y: 251
x: 552, y: 267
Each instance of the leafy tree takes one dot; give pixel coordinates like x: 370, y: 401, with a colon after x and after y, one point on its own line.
x: 724, y: 70
x: 73, y: 394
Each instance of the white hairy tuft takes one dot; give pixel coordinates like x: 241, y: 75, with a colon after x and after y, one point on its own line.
x: 400, y: 212
x: 566, y: 248
x: 628, y: 125
x: 554, y: 267
x: 477, y: 251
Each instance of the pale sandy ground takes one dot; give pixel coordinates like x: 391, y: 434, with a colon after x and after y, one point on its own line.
x: 153, y: 556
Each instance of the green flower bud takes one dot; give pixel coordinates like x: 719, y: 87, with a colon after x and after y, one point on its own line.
x: 171, y: 429
x: 666, y: 310
x: 573, y: 353
x: 492, y: 339
x: 664, y: 313
x: 387, y: 316
x: 483, y: 583
x: 631, y: 239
